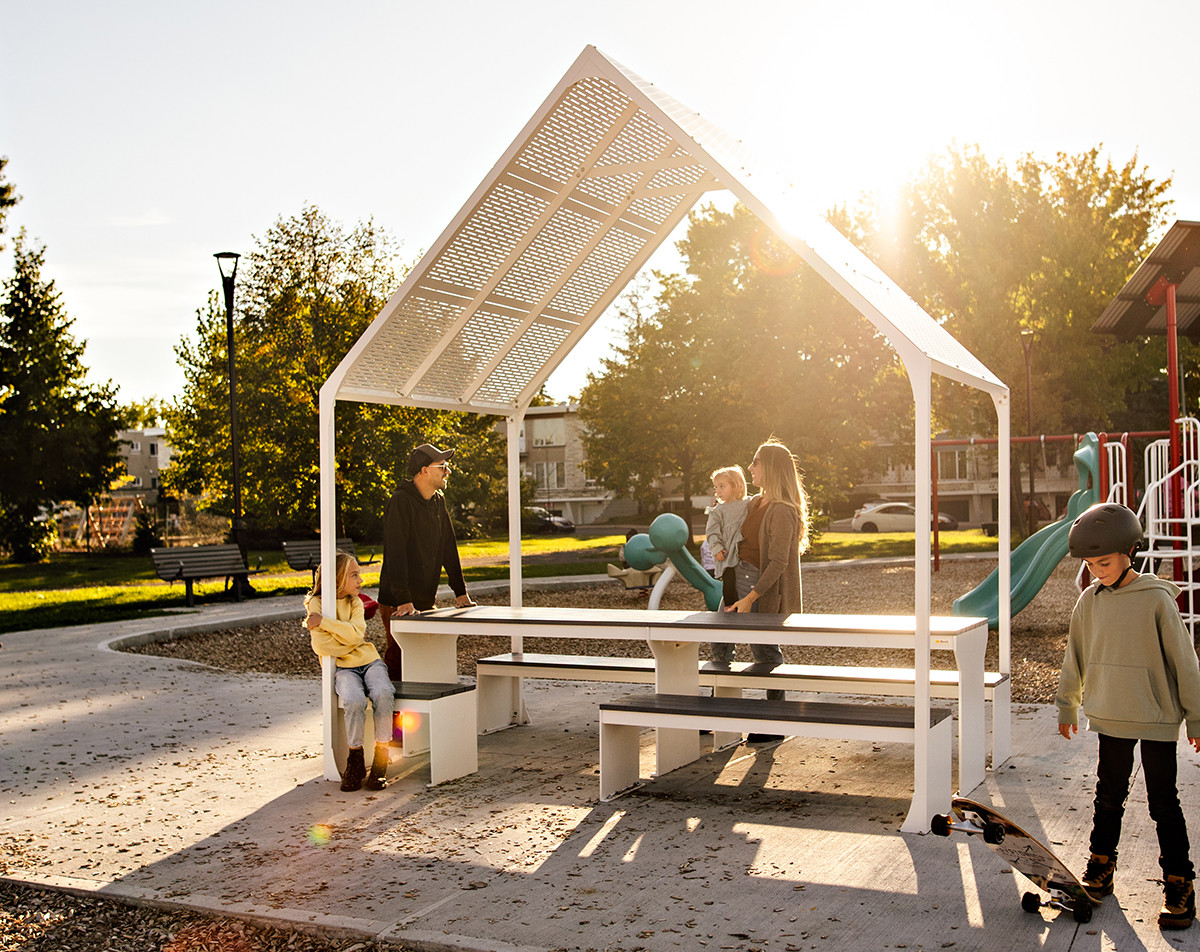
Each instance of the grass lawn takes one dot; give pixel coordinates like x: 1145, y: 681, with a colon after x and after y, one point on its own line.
x: 75, y: 588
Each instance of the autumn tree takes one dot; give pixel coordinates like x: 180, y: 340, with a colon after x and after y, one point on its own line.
x: 304, y: 296
x: 1035, y: 248
x: 749, y: 343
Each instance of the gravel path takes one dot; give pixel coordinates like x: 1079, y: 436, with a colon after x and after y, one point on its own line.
x: 33, y: 920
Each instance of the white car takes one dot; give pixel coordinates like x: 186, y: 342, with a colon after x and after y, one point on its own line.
x: 894, y: 517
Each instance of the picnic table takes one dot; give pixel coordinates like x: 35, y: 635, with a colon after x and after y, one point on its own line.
x: 429, y: 643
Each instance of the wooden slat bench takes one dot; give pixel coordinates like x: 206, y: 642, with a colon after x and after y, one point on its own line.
x: 621, y: 721
x: 188, y: 563
x: 304, y: 554
x: 446, y: 726
x: 495, y: 697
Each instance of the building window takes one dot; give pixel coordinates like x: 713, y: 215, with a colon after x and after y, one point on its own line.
x: 550, y: 475
x: 548, y: 432
x: 137, y: 481
x: 153, y: 449
x: 952, y: 464
x: 154, y: 482
x: 135, y: 447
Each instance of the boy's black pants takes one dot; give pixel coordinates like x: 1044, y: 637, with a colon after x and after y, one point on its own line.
x: 1112, y: 787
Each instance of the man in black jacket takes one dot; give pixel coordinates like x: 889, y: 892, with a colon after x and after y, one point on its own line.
x: 418, y: 542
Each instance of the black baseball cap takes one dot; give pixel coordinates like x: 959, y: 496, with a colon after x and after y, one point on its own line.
x: 425, y: 455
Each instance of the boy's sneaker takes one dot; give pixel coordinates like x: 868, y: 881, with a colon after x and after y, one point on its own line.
x: 1179, y: 903
x: 1098, y: 877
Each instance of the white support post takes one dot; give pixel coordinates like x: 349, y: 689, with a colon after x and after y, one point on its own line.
x: 328, y: 507
x: 517, y: 641
x: 1001, y: 713
x: 925, y: 802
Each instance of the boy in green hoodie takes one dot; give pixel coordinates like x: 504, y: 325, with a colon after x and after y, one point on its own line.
x: 1131, y: 663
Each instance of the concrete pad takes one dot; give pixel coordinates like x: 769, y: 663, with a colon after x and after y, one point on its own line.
x: 168, y: 782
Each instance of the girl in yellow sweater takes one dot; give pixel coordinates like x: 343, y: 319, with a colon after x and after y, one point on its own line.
x: 360, y: 673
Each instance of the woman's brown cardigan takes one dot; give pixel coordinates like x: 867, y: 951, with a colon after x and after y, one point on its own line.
x: 778, y: 585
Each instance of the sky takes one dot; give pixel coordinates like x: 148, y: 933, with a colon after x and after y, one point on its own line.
x: 144, y: 136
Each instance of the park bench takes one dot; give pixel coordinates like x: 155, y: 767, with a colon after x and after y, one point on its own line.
x: 445, y: 726
x: 495, y: 697
x: 633, y: 579
x: 621, y: 721
x: 305, y: 554
x: 188, y: 563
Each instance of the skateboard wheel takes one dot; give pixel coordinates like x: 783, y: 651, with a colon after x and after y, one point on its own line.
x: 1031, y: 902
x: 940, y: 825
x: 993, y: 833
x: 1082, y: 910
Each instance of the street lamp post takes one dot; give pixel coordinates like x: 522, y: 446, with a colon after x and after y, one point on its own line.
x: 228, y: 260
x: 1027, y: 347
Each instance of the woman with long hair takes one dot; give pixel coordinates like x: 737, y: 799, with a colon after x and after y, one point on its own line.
x: 774, y: 534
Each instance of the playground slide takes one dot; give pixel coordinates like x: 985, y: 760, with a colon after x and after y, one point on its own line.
x: 1035, y: 558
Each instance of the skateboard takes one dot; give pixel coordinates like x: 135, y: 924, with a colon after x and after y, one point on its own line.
x: 1025, y: 853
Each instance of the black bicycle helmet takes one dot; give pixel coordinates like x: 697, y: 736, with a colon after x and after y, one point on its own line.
x: 1105, y: 528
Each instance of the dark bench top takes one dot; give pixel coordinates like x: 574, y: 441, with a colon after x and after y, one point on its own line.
x: 735, y: 670
x: 824, y: 712
x: 723, y: 624
x: 428, y: 690
x: 199, y: 561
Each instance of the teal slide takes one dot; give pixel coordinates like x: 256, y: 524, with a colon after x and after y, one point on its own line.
x: 1035, y: 558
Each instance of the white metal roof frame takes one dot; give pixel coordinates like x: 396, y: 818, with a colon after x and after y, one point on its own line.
x: 593, y: 184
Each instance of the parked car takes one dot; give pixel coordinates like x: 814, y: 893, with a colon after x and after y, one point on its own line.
x: 893, y: 517
x: 537, y: 519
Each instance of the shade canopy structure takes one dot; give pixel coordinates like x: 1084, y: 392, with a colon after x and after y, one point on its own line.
x: 1163, y: 298
x: 598, y: 178
x: 1140, y: 308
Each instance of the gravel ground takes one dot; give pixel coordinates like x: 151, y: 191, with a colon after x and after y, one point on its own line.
x: 33, y: 920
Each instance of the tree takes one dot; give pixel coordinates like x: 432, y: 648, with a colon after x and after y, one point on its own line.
x: 58, y: 434
x: 1039, y: 247
x: 305, y: 295
x: 8, y: 197
x: 750, y: 343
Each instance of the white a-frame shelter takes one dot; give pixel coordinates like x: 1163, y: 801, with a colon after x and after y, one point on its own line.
x: 595, y: 182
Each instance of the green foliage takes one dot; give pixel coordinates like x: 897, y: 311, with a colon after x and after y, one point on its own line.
x: 1042, y: 247
x: 58, y: 434
x: 8, y: 196
x: 304, y: 296
x: 750, y: 343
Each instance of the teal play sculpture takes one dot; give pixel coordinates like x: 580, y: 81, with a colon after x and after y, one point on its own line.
x: 667, y: 539
x: 1035, y: 559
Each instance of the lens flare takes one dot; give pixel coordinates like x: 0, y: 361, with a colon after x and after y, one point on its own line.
x: 319, y: 834
x: 410, y: 720
x: 770, y: 255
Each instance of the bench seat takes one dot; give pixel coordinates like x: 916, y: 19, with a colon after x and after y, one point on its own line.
x: 446, y: 727
x: 188, y: 563
x: 622, y: 719
x: 305, y: 554
x: 495, y: 699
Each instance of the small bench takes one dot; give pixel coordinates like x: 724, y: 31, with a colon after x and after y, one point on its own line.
x: 304, y: 554
x: 621, y: 721
x: 446, y: 726
x: 188, y: 563
x: 635, y: 579
x: 495, y: 698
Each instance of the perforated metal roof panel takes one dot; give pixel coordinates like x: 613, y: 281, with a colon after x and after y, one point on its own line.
x: 594, y: 183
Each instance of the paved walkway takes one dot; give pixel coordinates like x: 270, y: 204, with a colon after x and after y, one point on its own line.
x: 169, y: 782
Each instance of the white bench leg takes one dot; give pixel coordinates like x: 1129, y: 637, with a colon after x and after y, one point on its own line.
x: 932, y: 779
x: 495, y: 702
x: 1001, y: 722
x: 453, y: 737
x: 416, y: 728
x: 619, y: 758
x: 726, y: 738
